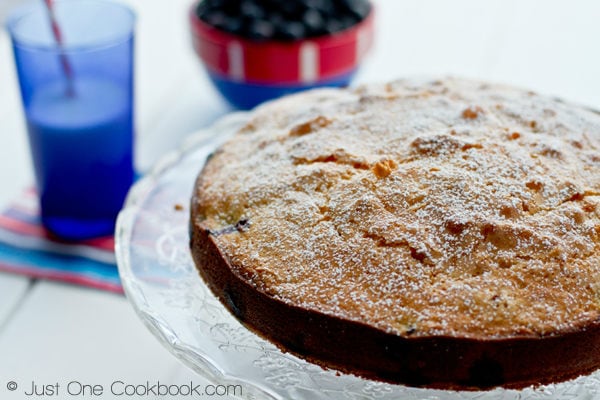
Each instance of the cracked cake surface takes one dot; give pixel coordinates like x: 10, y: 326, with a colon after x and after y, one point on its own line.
x: 421, y: 208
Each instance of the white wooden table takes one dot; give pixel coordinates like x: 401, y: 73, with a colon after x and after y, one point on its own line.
x: 51, y: 332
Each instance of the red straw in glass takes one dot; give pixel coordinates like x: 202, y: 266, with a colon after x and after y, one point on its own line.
x: 64, y: 60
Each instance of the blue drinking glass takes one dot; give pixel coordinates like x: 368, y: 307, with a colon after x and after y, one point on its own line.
x: 78, y: 101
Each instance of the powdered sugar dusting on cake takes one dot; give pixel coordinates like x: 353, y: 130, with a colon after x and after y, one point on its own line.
x: 423, y: 207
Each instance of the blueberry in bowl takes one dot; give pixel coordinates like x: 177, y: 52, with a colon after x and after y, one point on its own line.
x: 256, y: 50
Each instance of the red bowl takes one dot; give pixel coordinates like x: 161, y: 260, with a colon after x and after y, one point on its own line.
x: 287, y: 66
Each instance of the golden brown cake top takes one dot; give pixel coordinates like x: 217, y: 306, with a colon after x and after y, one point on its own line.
x: 448, y: 207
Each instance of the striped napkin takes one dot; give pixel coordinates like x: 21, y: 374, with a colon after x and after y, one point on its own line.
x: 27, y: 249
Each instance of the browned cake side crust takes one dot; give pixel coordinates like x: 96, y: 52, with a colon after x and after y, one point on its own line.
x: 443, y: 362
x: 432, y: 233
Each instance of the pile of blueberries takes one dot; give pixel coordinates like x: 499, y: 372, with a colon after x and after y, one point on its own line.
x: 284, y: 20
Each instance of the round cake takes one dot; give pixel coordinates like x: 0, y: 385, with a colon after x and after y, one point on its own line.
x: 436, y: 233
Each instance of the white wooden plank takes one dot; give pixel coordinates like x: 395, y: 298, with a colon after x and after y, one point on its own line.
x: 65, y: 333
x: 16, y: 171
x: 174, y: 97
x: 161, y: 40
x: 551, y: 46
x: 12, y: 291
x: 165, y: 67
x: 435, y: 37
x: 193, y: 105
x: 6, y: 6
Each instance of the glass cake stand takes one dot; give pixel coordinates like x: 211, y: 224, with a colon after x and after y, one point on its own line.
x: 167, y: 293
